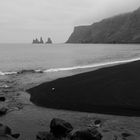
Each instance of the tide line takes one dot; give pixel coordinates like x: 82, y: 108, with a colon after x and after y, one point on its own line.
x: 92, y: 65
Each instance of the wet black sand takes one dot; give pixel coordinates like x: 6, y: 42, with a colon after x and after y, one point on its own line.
x: 110, y: 90
x: 28, y: 119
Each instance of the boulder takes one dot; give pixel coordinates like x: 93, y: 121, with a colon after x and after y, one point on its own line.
x: 87, y: 134
x: 3, y: 111
x: 98, y: 123
x: 125, y: 134
x: 60, y: 128
x: 26, y: 71
x: 6, y: 133
x: 2, y: 99
x: 29, y: 71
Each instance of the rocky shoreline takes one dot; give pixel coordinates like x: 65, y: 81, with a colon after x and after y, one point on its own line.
x: 19, y: 117
x: 62, y: 130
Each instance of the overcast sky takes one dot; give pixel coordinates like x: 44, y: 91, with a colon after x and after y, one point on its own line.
x: 22, y: 20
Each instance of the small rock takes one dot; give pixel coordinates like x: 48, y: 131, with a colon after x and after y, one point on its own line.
x: 26, y: 71
x: 2, y: 99
x: 17, y: 94
x: 20, y: 106
x: 97, y: 123
x: 60, y: 128
x: 87, y: 134
x: 3, y: 111
x: 29, y: 71
x: 125, y: 134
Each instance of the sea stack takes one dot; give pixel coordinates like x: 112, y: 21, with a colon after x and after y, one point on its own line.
x: 37, y: 41
x: 49, y: 41
x: 41, y: 41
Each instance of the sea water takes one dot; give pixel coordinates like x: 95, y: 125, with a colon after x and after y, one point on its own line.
x: 62, y: 57
x: 51, y: 59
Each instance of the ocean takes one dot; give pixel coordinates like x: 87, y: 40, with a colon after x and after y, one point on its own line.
x: 63, y: 57
x: 24, y: 66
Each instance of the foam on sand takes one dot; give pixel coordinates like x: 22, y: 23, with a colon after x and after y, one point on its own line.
x: 71, y: 68
x: 92, y: 65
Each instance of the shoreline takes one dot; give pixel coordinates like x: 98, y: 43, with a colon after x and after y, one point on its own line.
x: 21, y: 120
x: 96, y: 65
x: 99, y: 91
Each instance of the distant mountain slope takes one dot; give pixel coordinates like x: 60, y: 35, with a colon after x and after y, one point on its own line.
x: 123, y: 28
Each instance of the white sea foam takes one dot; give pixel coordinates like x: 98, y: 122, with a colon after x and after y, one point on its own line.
x: 92, y: 65
x: 7, y: 73
x: 2, y: 73
x: 4, y: 86
x: 77, y: 67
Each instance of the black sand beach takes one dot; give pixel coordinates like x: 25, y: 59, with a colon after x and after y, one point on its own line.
x: 28, y: 119
x: 110, y: 90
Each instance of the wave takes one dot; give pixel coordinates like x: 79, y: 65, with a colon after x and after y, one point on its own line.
x: 71, y: 68
x: 7, y: 73
x: 92, y: 65
x: 21, y: 72
x: 4, y: 86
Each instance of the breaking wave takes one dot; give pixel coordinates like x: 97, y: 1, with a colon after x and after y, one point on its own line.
x: 70, y: 68
x: 92, y: 65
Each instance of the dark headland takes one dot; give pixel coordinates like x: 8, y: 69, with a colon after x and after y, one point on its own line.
x: 111, y: 90
x: 124, y: 28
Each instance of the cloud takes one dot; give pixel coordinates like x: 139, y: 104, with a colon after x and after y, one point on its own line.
x: 25, y: 18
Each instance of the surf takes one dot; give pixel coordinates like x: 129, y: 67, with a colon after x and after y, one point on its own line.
x: 96, y: 65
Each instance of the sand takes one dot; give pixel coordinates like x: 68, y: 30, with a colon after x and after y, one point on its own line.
x: 111, y: 90
x: 27, y: 119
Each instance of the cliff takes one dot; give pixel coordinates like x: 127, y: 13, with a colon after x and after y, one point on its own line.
x: 123, y: 28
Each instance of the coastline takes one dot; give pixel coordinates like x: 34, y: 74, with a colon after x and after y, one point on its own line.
x: 62, y: 69
x: 21, y: 119
x: 99, y: 91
